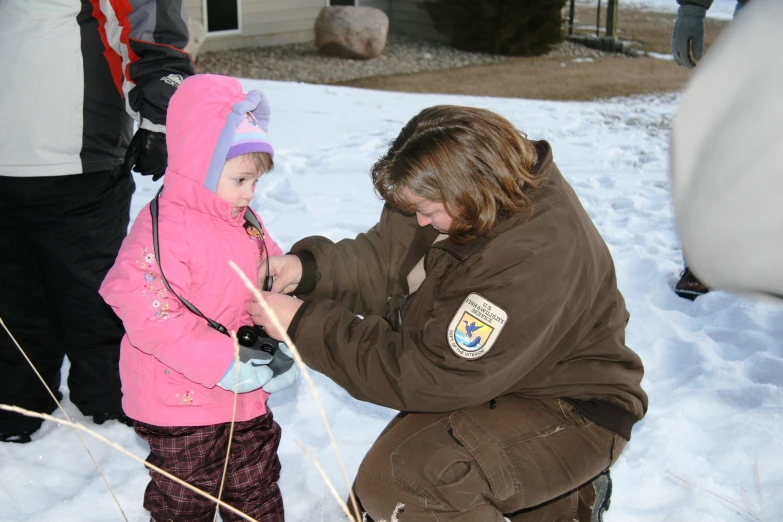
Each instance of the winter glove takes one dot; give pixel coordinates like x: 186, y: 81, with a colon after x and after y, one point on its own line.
x: 147, y: 152
x: 284, y: 368
x: 688, y: 35
x: 253, y: 374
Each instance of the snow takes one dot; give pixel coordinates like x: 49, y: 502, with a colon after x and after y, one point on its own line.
x: 660, y: 56
x: 711, y: 446
x: 714, y: 367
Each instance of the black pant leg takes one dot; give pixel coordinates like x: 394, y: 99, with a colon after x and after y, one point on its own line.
x: 81, y: 242
x: 77, y: 224
x: 29, y: 314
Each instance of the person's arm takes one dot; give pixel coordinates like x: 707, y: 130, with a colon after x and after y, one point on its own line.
x: 417, y: 370
x: 152, y: 36
x: 155, y: 321
x: 348, y: 271
x: 688, y: 32
x: 149, y: 62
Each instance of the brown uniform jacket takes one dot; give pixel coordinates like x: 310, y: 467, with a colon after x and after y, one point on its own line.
x: 551, y: 275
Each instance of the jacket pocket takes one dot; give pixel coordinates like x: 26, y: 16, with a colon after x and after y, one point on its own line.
x: 172, y: 388
x: 572, y: 415
x: 487, y: 452
x: 434, y: 464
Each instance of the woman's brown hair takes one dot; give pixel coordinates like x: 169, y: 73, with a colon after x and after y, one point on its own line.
x: 472, y: 160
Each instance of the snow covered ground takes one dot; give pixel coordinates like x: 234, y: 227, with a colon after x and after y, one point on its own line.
x: 714, y: 367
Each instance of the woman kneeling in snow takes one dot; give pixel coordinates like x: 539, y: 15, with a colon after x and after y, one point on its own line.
x: 484, y: 307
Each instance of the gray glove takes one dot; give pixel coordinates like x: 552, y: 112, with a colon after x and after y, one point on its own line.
x: 251, y: 375
x: 688, y: 35
x: 285, y: 369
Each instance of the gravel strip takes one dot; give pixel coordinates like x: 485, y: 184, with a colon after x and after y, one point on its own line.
x: 403, y: 54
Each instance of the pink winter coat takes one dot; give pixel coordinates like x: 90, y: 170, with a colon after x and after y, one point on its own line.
x: 170, y: 359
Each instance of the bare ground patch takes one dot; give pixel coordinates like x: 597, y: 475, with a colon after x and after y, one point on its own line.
x: 542, y: 78
x: 569, y: 72
x: 562, y: 78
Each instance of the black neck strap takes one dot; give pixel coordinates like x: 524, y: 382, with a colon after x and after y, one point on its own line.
x: 154, y: 212
x: 250, y: 217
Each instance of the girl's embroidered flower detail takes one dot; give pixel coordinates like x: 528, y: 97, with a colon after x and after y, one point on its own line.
x: 153, y: 290
x: 186, y: 398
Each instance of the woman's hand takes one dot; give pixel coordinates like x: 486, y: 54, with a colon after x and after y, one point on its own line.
x: 286, y: 271
x: 284, y: 307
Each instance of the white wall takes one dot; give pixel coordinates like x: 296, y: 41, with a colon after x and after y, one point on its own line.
x: 264, y: 22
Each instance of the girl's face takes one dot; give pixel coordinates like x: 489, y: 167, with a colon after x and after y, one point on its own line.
x: 429, y: 213
x: 237, y: 183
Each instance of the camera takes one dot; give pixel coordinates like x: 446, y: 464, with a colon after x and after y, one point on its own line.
x: 256, y: 338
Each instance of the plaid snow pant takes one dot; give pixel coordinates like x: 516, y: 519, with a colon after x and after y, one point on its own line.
x: 196, y: 454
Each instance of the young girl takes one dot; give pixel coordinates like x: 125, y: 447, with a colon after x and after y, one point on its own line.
x: 179, y: 374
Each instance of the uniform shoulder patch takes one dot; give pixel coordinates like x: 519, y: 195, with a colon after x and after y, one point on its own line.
x: 475, y: 327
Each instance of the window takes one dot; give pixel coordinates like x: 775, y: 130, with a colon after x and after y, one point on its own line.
x: 221, y: 16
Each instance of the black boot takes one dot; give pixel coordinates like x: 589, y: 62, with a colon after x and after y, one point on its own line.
x: 100, y: 418
x: 689, y: 287
x: 594, y: 498
x: 20, y: 437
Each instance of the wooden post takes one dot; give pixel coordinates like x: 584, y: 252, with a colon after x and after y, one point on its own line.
x: 571, y: 18
x: 598, y: 20
x: 611, y: 18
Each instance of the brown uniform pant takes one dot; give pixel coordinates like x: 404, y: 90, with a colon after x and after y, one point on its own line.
x: 523, y: 458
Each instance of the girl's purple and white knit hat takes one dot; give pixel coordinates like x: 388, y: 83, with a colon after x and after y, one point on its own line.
x: 249, y: 137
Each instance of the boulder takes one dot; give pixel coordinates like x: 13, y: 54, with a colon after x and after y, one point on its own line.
x: 351, y: 31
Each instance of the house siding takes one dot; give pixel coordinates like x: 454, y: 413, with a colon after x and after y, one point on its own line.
x: 407, y: 17
x: 275, y: 22
x: 383, y: 5
x: 194, y: 11
x: 264, y: 23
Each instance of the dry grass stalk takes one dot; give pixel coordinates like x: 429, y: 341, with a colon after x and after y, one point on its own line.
x: 716, y: 495
x: 327, y: 481
x: 95, y: 462
x: 306, y: 374
x: 758, y: 484
x: 119, y: 448
x: 233, y: 418
x: 746, y: 496
x: 395, y: 514
x: 231, y: 429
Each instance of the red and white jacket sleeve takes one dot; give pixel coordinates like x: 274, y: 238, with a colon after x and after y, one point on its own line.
x: 145, y: 44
